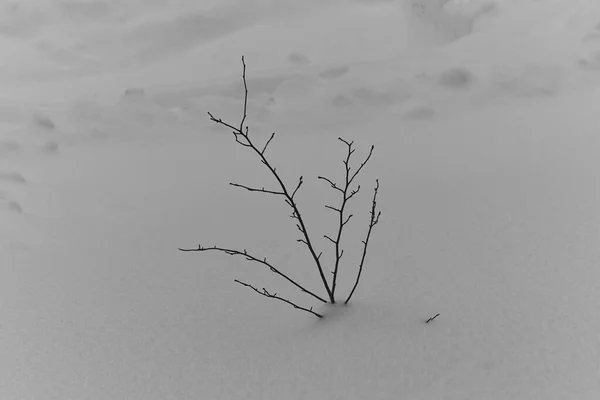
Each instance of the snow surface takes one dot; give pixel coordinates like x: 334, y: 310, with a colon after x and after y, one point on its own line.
x: 485, y: 119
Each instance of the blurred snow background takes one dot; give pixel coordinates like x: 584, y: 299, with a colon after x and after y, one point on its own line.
x: 484, y: 114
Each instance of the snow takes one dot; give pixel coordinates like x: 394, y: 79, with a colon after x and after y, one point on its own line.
x: 484, y: 119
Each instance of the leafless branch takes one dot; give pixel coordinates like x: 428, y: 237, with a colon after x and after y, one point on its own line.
x: 374, y: 221
x: 242, y: 137
x: 267, y: 144
x: 347, y: 194
x: 265, y: 293
x: 245, y: 254
x: 263, y: 190
x: 247, y: 142
x: 349, y: 144
x: 221, y: 122
x: 237, y: 139
x: 333, y: 185
x: 347, y: 219
x: 300, y: 182
x: 332, y: 208
x: 328, y: 238
x: 354, y: 192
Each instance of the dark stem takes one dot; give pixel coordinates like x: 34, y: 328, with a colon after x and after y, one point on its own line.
x: 347, y: 194
x: 374, y: 220
x: 432, y: 318
x: 233, y: 252
x: 243, y: 138
x: 265, y: 293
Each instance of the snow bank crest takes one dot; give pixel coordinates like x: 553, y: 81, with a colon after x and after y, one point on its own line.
x: 438, y: 22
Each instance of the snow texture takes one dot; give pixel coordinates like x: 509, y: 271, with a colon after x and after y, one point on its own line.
x: 484, y: 116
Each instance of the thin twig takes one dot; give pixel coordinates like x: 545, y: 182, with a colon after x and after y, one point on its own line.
x: 265, y: 293
x: 374, y: 220
x: 300, y: 182
x: 328, y: 238
x: 245, y: 98
x: 267, y: 144
x: 236, y: 131
x: 332, y: 208
x: 250, y: 189
x: 432, y: 318
x: 249, y: 257
x: 347, y: 219
x: 333, y: 185
x: 363, y: 164
x: 354, y: 192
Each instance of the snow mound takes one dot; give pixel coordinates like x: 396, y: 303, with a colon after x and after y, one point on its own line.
x: 298, y: 59
x: 10, y: 205
x: 456, y: 78
x: 43, y: 121
x: 12, y: 177
x: 50, y: 147
x: 134, y: 95
x: 436, y: 22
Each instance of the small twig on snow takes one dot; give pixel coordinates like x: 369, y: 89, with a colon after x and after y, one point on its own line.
x: 242, y: 137
x: 432, y: 318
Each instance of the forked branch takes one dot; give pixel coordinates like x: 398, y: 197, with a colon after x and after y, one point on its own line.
x: 242, y: 137
x: 374, y: 220
x: 347, y: 194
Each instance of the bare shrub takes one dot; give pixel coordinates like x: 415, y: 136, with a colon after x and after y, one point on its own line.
x: 347, y: 191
